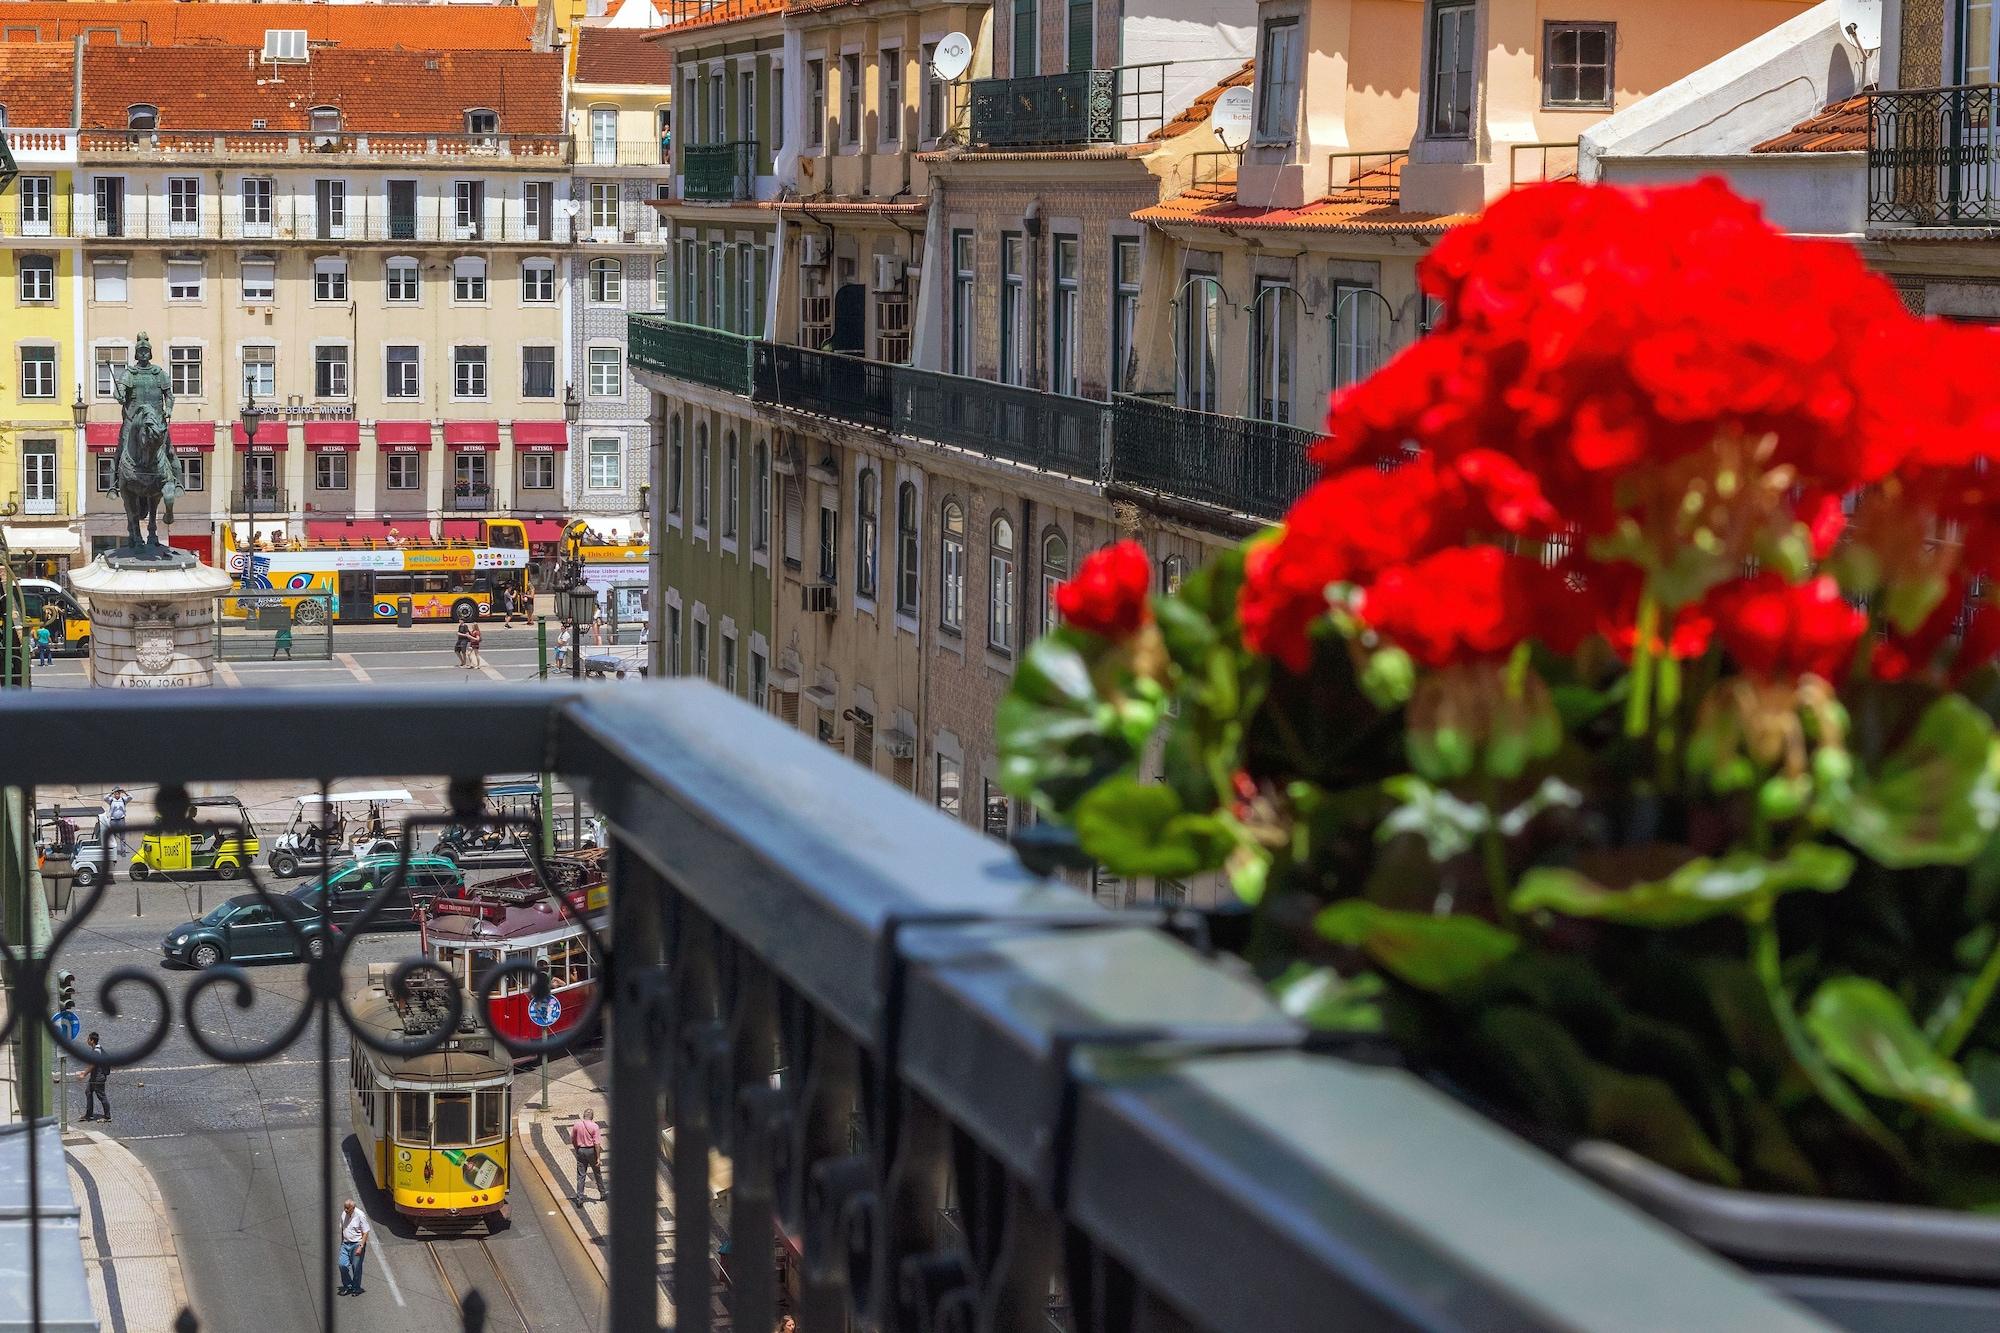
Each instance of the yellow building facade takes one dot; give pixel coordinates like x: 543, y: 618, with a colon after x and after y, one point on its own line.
x: 40, y: 476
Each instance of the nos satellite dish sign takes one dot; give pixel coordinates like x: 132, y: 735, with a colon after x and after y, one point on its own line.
x: 952, y: 57
x: 1230, y: 117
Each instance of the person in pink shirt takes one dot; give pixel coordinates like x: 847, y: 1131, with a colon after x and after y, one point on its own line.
x: 586, y: 1140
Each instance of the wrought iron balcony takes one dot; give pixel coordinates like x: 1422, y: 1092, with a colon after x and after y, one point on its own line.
x: 1092, y: 106
x: 1030, y: 426
x: 718, y: 173
x: 690, y: 352
x: 895, y: 1036
x: 260, y: 500
x: 1932, y: 159
x: 827, y: 383
x: 330, y: 148
x: 471, y: 495
x: 1234, y: 463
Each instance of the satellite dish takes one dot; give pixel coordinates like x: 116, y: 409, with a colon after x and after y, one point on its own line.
x: 952, y: 57
x: 1230, y: 118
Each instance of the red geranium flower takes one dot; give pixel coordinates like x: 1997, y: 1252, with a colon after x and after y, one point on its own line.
x: 1778, y: 631
x: 1470, y: 604
x: 1108, y: 594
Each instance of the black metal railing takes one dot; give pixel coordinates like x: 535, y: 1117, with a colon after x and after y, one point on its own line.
x: 828, y: 383
x: 1049, y: 431
x: 1235, y: 463
x: 1932, y: 160
x: 472, y: 495
x: 718, y: 173
x: 690, y: 352
x: 1091, y: 106
x: 260, y: 500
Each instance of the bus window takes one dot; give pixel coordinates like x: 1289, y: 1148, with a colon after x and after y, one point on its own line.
x: 429, y: 583
x: 392, y: 585
x: 492, y: 1115
x: 454, y: 1120
x: 413, y: 1117
x: 505, y: 536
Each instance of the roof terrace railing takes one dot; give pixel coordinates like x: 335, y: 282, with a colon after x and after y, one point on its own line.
x: 1932, y: 158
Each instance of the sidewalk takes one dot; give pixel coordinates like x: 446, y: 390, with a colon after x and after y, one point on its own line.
x: 129, y: 1257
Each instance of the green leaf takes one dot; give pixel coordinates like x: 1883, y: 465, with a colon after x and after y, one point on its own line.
x: 1057, y: 738
x: 1140, y: 829
x: 1866, y: 1033
x: 1321, y: 998
x: 1442, y: 954
x: 1741, y: 883
x: 1932, y: 802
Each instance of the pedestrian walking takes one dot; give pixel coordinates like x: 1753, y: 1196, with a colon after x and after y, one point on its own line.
x: 464, y: 641
x: 44, y: 646
x: 472, y: 641
x: 282, y: 643
x: 116, y: 801
x: 94, y: 1079
x: 354, y: 1234
x: 597, y: 630
x: 586, y: 1140
x: 512, y: 596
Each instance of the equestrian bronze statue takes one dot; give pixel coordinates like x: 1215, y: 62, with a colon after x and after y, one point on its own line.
x: 149, y: 475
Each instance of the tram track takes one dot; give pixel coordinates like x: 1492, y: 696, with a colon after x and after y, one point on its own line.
x: 461, y: 1274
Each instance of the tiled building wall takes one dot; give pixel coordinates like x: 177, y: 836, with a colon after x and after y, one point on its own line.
x: 601, y: 325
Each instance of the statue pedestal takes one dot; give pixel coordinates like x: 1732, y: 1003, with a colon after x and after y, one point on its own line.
x: 152, y: 619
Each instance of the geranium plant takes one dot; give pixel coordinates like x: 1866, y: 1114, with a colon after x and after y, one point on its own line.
x: 1610, y: 725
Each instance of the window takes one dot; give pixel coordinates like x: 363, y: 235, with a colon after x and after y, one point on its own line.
x: 109, y: 280
x: 604, y: 135
x: 963, y: 304
x: 604, y: 206
x: 538, y: 372
x: 1576, y: 63
x: 701, y: 649
x: 867, y: 531
x: 38, y: 278
x: 329, y: 279
x: 184, y: 279
x: 889, y: 110
x: 142, y: 116
x: 257, y: 205
x: 330, y: 367
x: 606, y: 470
x: 1452, y: 56
x: 607, y: 373
x: 38, y: 372
x: 194, y: 472
x: 481, y: 123
x: 184, y: 371
x: 37, y: 201
x: 760, y: 499
x: 949, y: 778
x: 663, y: 283
x: 260, y: 279
x: 330, y: 470
x: 673, y: 641
x: 323, y: 120
x: 537, y: 208
x: 468, y: 372
x: 470, y: 208
x: 717, y: 105
x: 468, y: 473
x: 757, y: 676
x: 815, y: 103
x: 829, y: 535
x: 538, y: 280
x: 1278, y: 82
x: 850, y: 98
x: 1063, y: 349
x: 951, y: 568
x: 1000, y: 586
x: 399, y: 280
x: 109, y: 199
x: 777, y: 108
x: 1024, y: 39
x: 935, y: 93
x: 108, y: 361
x: 701, y: 473
x: 260, y: 371
x: 1124, y: 313
x: 1201, y: 335
x: 105, y: 468
x: 607, y: 282
x: 717, y: 288
x: 1082, y: 23
x: 290, y: 44
x: 1055, y: 569
x: 689, y: 296
x: 1356, y: 349
x: 746, y: 105
x: 729, y: 661
x: 996, y: 812
x: 1273, y: 331
x: 403, y: 377
x: 468, y: 279
x: 330, y: 208
x: 1013, y: 298
x: 538, y: 472
x: 676, y: 467
x: 38, y: 476
x: 732, y: 485
x: 1172, y: 570
x: 906, y: 548
x: 184, y: 205
x: 406, y: 472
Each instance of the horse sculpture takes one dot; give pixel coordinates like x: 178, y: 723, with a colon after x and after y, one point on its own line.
x: 149, y: 475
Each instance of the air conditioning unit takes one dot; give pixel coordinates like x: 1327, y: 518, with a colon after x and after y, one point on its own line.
x: 818, y: 599
x: 812, y: 250
x: 888, y: 273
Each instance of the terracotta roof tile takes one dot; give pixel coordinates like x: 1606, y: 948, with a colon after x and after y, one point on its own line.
x: 1214, y: 205
x: 415, y: 27
x: 622, y: 55
x: 377, y: 91
x: 1841, y: 127
x: 728, y: 11
x: 1195, y: 114
x: 35, y: 83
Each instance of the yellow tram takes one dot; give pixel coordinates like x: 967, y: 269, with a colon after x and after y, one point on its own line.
x: 434, y: 1127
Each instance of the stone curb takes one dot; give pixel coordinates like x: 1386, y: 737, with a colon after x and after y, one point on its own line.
x: 524, y: 1126
x: 136, y: 1169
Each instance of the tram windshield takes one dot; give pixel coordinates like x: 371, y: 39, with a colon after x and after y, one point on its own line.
x: 452, y: 1123
x: 451, y: 1119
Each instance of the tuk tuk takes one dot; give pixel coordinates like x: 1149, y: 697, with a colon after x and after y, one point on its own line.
x: 355, y: 823
x: 202, y: 850
x: 498, y: 845
x: 65, y: 850
x: 50, y: 603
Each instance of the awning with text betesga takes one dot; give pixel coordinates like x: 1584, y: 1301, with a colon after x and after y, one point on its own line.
x: 187, y: 437
x: 402, y: 437
x: 458, y: 529
x: 541, y: 437
x: 333, y: 434
x: 351, y: 529
x: 461, y: 435
x: 543, y: 530
x: 101, y: 437
x: 271, y: 434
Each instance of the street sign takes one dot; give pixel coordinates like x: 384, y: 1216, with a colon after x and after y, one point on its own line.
x: 67, y: 1023
x: 545, y: 1012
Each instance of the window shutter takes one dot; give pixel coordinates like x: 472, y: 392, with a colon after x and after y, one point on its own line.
x: 795, y: 521
x: 1082, y: 32
x: 904, y: 773
x: 785, y: 703
x: 864, y: 744
x: 1024, y: 39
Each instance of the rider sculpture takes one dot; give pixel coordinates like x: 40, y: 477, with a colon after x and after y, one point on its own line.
x: 149, y: 475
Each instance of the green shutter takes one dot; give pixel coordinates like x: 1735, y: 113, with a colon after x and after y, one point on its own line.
x: 1025, y: 63
x: 1082, y: 31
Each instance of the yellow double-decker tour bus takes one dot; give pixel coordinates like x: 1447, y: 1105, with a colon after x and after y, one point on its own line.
x: 361, y: 580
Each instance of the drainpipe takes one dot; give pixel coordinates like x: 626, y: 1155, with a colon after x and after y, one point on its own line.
x: 76, y: 87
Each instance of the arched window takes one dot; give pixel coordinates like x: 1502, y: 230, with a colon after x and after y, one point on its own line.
x: 482, y: 122
x: 604, y: 135
x: 906, y: 548
x: 325, y: 122
x: 1172, y: 570
x: 607, y: 281
x: 1000, y: 585
x: 867, y: 534
x: 701, y: 474
x: 1055, y: 570
x: 951, y: 568
x: 760, y: 499
x: 675, y: 469
x: 732, y: 485
x: 142, y: 116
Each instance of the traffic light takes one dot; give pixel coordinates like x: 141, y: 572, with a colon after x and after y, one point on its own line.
x: 66, y: 992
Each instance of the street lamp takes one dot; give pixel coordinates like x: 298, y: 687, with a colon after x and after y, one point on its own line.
x: 572, y: 404
x: 246, y: 417
x: 78, y: 412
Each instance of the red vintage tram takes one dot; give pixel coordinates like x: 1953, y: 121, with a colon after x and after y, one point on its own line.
x: 509, y: 921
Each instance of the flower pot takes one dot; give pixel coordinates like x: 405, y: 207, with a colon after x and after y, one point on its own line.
x: 1864, y: 1266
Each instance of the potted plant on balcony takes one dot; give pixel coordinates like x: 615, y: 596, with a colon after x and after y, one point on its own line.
x: 1610, y: 726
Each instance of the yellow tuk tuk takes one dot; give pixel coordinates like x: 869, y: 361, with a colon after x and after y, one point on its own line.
x: 202, y: 850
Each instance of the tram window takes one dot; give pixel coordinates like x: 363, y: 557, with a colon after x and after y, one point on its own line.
x: 413, y: 1117
x: 492, y: 1114
x: 483, y: 962
x: 454, y: 1120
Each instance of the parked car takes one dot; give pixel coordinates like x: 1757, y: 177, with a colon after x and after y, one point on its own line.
x: 246, y: 928
x: 355, y: 882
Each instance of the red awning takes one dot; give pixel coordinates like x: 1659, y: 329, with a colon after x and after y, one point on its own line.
x: 458, y: 529
x: 472, y: 435
x: 353, y: 529
x: 333, y: 435
x: 101, y: 437
x: 541, y: 437
x: 403, y: 436
x: 542, y: 530
x: 192, y: 436
x: 271, y: 434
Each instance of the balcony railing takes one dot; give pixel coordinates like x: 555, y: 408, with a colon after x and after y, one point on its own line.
x: 39, y: 504
x: 1028, y: 426
x: 477, y: 495
x: 260, y: 500
x: 718, y: 173
x: 1932, y: 159
x: 1235, y: 463
x: 146, y: 217
x: 297, y: 146
x: 828, y: 383
x: 624, y: 153
x: 1092, y: 106
x: 690, y: 352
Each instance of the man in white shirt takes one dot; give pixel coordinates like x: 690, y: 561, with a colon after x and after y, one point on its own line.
x: 354, y: 1232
